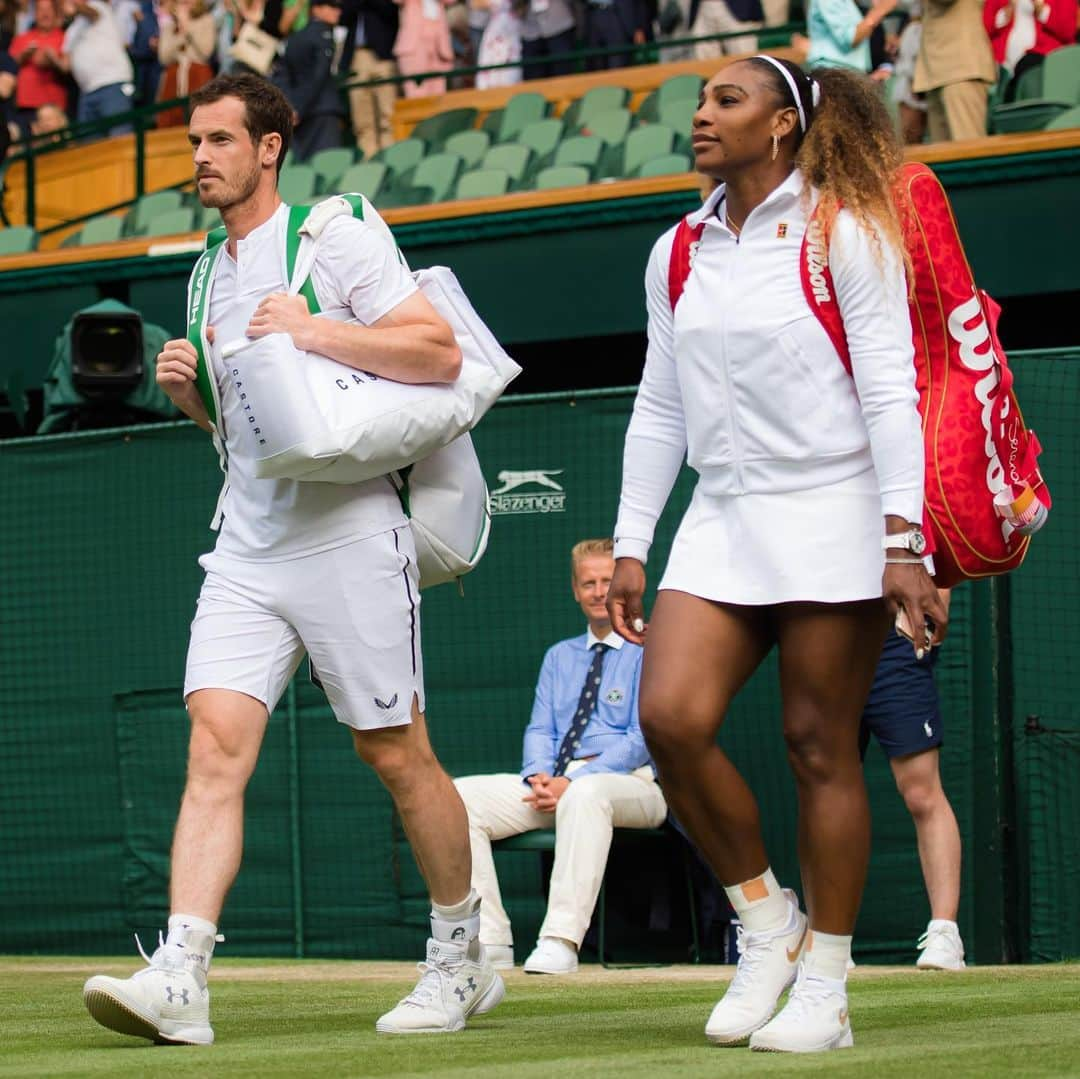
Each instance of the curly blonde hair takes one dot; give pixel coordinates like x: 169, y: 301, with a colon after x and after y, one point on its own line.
x: 850, y: 151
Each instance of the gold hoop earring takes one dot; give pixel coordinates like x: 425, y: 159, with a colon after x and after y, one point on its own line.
x: 775, y: 147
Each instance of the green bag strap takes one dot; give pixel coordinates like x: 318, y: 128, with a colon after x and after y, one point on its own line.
x: 297, y: 216
x: 198, y: 310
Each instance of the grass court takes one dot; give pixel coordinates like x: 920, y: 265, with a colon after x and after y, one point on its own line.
x: 299, y: 1018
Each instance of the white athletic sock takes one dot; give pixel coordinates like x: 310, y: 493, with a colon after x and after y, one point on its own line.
x: 827, y: 954
x: 459, y: 924
x: 760, y: 903
x: 193, y: 936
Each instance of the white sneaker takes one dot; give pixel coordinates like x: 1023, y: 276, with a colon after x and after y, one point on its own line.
x: 815, y: 1018
x: 501, y: 955
x: 941, y: 947
x: 451, y: 988
x: 552, y: 956
x: 167, y: 1001
x: 767, y: 965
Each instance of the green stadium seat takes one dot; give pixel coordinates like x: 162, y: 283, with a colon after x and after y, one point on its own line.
x: 435, y: 130
x: 583, y: 150
x: 393, y: 198
x: 666, y: 165
x: 148, y: 207
x: 482, y: 184
x: 680, y: 88
x: 643, y: 144
x: 512, y: 158
x: 438, y: 172
x: 491, y: 123
x: 1042, y: 94
x: 400, y: 157
x: 366, y: 178
x: 522, y: 109
x: 541, y: 137
x: 648, y: 112
x: 612, y: 125
x: 330, y: 165
x: 598, y: 100
x: 172, y: 223
x: 679, y: 116
x: 562, y: 176
x: 1063, y: 121
x: 101, y: 230
x: 470, y: 146
x: 297, y: 184
x: 207, y: 218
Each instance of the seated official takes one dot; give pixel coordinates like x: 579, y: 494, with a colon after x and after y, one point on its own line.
x: 586, y: 771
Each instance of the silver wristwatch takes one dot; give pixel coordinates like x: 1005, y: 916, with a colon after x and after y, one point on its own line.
x: 913, y: 540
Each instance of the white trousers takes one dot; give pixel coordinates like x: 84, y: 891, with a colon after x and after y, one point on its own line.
x: 714, y: 17
x: 583, y: 821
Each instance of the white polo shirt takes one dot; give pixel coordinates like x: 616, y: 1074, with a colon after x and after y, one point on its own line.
x: 357, y: 265
x: 743, y: 380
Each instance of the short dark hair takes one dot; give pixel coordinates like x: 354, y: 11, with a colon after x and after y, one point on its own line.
x: 266, y: 110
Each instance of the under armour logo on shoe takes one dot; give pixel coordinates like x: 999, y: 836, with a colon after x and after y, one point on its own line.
x: 173, y: 995
x: 470, y: 985
x: 386, y: 704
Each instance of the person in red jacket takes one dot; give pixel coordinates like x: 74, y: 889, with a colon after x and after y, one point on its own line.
x: 41, y: 79
x: 1018, y: 28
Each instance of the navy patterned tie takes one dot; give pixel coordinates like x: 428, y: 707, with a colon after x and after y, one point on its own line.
x: 590, y: 694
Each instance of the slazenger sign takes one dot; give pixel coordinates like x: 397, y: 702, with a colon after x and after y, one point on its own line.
x: 508, y: 498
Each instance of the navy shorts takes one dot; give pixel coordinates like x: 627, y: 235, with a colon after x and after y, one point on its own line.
x: 902, y: 712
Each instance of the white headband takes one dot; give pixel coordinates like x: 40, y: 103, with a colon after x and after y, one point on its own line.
x: 815, y: 90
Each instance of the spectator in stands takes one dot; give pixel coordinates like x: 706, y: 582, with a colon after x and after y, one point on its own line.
x: 724, y: 17
x: 585, y: 771
x: 95, y: 55
x: 49, y: 122
x: 548, y: 29
x: 371, y: 27
x: 479, y: 16
x: 674, y: 19
x: 8, y: 15
x: 38, y: 52
x: 613, y: 23
x: 308, y: 79
x: 185, y: 50
x: 501, y: 44
x: 840, y: 33
x: 911, y: 106
x: 955, y: 69
x: 423, y: 44
x: 904, y: 714
x: 144, y: 51
x: 9, y: 128
x: 295, y: 15
x: 1022, y: 32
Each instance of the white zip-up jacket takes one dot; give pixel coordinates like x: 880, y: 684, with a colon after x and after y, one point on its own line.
x: 743, y: 381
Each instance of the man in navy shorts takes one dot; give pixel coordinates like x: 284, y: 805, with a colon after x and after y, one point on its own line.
x: 903, y: 714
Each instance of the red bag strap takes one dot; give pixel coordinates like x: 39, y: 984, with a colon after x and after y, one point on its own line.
x: 818, y: 288
x: 686, y: 237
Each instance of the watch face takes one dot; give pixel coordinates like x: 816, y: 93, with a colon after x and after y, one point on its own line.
x: 917, y: 542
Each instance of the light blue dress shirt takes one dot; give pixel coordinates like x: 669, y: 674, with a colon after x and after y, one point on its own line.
x: 830, y: 25
x: 613, y: 737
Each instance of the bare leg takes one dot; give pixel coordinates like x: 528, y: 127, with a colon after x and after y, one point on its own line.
x: 226, y: 733
x: 428, y: 803
x: 828, y: 655
x: 919, y: 781
x: 698, y: 655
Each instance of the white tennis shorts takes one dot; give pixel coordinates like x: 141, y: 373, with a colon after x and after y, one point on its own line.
x: 355, y: 610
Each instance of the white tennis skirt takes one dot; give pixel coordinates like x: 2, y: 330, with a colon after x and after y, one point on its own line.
x: 821, y: 546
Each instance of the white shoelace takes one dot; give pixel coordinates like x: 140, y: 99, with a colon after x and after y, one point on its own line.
x: 752, y: 948
x: 808, y: 994
x: 937, y: 934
